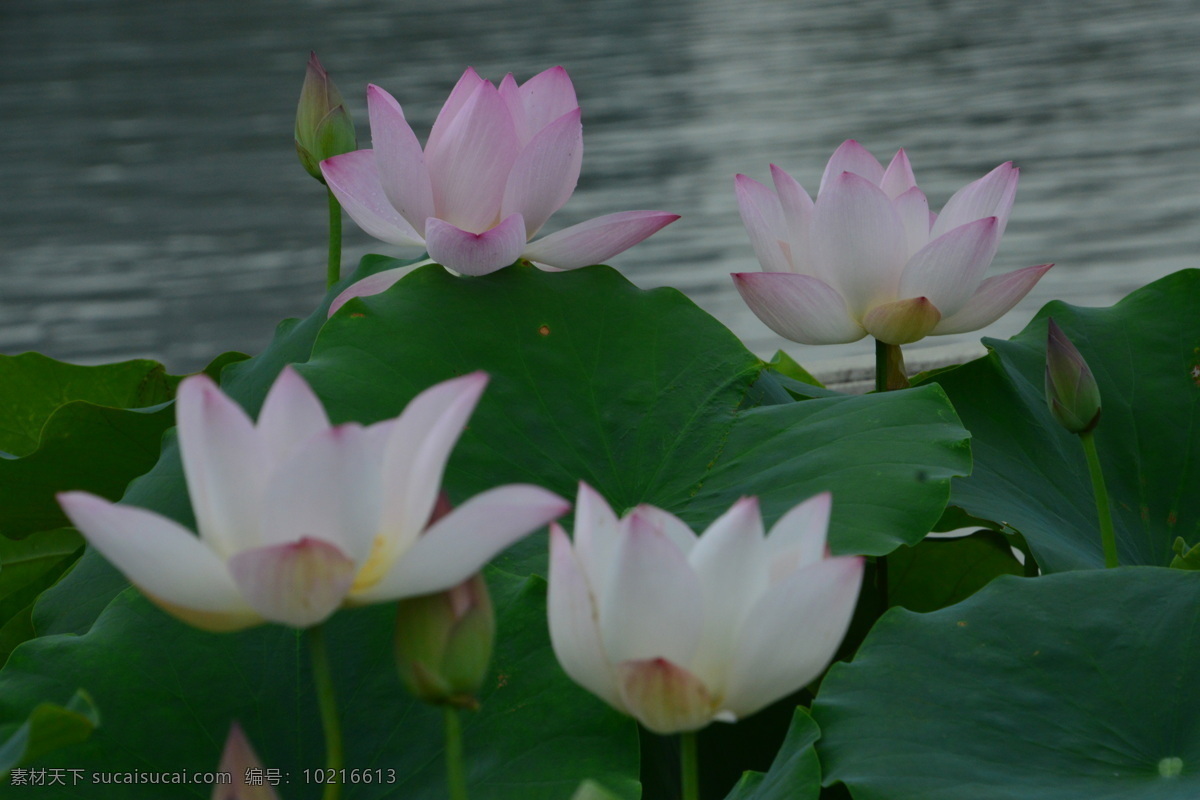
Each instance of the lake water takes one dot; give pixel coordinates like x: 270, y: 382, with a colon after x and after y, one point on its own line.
x: 152, y: 204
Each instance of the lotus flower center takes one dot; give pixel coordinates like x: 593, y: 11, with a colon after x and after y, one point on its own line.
x: 376, y: 565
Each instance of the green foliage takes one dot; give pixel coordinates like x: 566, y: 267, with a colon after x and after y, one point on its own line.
x: 937, y: 573
x: 72, y: 427
x: 1031, y: 474
x: 27, y: 568
x: 47, y: 728
x: 1065, y: 687
x: 795, y: 773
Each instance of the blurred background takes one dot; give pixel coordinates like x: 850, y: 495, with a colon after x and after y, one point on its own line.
x: 151, y: 203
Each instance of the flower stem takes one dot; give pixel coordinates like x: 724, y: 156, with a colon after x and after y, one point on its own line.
x: 329, y: 716
x: 334, y: 271
x: 689, y: 766
x: 456, y: 776
x: 1107, y: 536
x: 889, y: 367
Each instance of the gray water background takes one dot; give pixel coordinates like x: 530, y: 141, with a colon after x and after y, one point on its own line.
x: 151, y: 204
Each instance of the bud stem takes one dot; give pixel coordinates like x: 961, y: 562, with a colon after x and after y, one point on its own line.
x: 456, y: 777
x: 323, y: 680
x: 1107, y: 536
x: 334, y: 272
x: 689, y: 766
x: 889, y: 367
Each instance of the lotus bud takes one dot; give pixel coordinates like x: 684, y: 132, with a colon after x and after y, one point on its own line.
x: 1071, y: 389
x: 444, y: 643
x: 323, y: 126
x: 248, y: 779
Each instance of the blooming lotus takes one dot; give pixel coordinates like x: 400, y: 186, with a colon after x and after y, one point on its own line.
x: 498, y: 162
x: 869, y: 257
x: 677, y: 630
x: 297, y: 517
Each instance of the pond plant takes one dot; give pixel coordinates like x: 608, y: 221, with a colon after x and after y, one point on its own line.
x: 323, y: 571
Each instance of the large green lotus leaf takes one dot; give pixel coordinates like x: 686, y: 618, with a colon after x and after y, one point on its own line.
x: 640, y: 394
x: 1076, y: 686
x: 794, y: 775
x: 27, y: 567
x: 536, y: 736
x: 936, y: 573
x: 48, y: 727
x: 1030, y: 472
x: 73, y: 427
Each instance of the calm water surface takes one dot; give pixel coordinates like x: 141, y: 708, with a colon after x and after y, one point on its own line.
x: 152, y: 204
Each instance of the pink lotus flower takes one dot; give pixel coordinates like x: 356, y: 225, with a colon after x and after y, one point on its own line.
x: 869, y: 257
x: 297, y: 517
x: 498, y: 163
x: 679, y: 630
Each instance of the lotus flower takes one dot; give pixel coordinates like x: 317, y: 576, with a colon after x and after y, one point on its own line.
x: 678, y: 631
x: 498, y: 163
x: 297, y: 517
x: 869, y: 257
x: 248, y: 779
x: 1071, y: 390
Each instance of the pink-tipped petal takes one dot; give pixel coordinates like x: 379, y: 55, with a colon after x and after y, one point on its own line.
x: 902, y: 321
x: 851, y: 157
x: 462, y: 542
x: 329, y: 490
x: 471, y: 163
x: 290, y: 415
x: 664, y: 696
x: 798, y: 307
x: 597, y: 532
x: 949, y: 269
x: 665, y: 523
x: 648, y: 605
x: 354, y: 180
x: 993, y: 300
x: 298, y: 583
x: 545, y: 173
x: 798, y: 538
x: 459, y: 95
x: 163, y: 559
x: 731, y: 561
x: 990, y: 196
x: 240, y: 762
x: 792, y: 633
x: 225, y: 462
x: 546, y: 97
x: 597, y: 240
x: 399, y: 158
x: 898, y: 177
x: 416, y: 454
x: 762, y: 215
x: 858, y: 242
x: 372, y: 284
x: 797, y: 209
x: 912, y: 207
x: 574, y: 634
x: 475, y: 253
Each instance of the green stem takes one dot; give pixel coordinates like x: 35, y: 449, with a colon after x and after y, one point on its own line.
x: 334, y: 271
x: 889, y: 367
x: 334, y: 759
x: 689, y: 766
x: 456, y: 776
x: 1107, y: 536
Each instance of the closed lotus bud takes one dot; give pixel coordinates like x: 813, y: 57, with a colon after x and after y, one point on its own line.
x: 444, y: 643
x: 1071, y: 389
x: 323, y: 126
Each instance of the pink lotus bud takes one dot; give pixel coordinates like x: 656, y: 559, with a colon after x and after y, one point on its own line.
x: 323, y: 126
x: 1071, y: 389
x: 250, y: 780
x: 444, y: 643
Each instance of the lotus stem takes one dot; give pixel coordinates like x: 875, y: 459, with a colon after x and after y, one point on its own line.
x: 334, y: 759
x: 689, y: 766
x: 456, y: 777
x: 334, y: 271
x: 889, y: 367
x: 1107, y: 536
